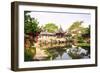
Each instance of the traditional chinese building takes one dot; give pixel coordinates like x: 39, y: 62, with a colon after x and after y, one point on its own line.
x: 60, y: 33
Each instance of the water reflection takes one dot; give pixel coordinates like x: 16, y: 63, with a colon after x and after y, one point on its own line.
x: 65, y: 53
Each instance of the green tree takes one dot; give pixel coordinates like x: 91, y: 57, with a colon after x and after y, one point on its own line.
x: 80, y: 34
x: 51, y: 27
x: 75, y: 25
x: 86, y: 31
x: 31, y: 29
x: 31, y: 24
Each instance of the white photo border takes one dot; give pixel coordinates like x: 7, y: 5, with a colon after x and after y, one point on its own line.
x: 34, y: 64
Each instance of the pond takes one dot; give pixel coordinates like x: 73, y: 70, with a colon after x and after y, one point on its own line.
x: 65, y: 53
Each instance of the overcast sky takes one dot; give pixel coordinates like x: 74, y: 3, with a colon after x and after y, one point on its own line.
x: 63, y: 19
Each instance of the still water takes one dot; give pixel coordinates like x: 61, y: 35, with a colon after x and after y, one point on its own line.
x: 66, y: 53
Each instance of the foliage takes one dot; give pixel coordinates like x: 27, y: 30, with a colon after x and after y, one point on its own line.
x: 76, y: 25
x: 86, y: 32
x: 52, y: 54
x: 74, y: 56
x: 83, y: 44
x: 81, y: 34
x: 29, y: 53
x: 69, y: 40
x: 86, y: 46
x: 31, y: 24
x: 80, y: 39
x: 51, y: 27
